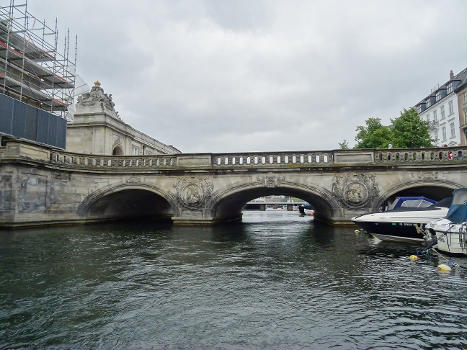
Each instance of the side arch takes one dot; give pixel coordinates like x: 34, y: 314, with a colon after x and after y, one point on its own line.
x: 123, y: 201
x: 117, y: 150
x: 227, y: 204
x: 433, y: 189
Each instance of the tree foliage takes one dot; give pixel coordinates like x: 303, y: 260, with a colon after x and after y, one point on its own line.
x: 373, y: 135
x: 406, y: 131
x: 344, y: 145
x: 409, y: 131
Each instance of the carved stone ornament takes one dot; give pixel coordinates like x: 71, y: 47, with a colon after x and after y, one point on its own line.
x: 427, y: 176
x: 97, y: 97
x: 133, y: 180
x: 270, y: 181
x: 193, y: 192
x: 117, y: 140
x: 355, y: 190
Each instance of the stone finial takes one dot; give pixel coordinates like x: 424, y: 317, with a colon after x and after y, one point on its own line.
x: 97, y: 83
x: 451, y: 74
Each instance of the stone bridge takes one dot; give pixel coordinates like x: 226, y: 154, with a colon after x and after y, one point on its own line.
x: 47, y: 186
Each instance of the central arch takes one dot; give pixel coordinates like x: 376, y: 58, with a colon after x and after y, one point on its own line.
x: 229, y: 204
x: 122, y: 202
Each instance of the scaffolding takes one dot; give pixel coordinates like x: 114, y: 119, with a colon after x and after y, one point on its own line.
x: 33, y: 69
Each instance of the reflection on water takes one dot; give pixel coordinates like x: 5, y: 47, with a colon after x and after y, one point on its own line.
x: 274, y: 281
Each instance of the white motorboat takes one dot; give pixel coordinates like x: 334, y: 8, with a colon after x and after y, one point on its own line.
x: 451, y: 231
x: 403, y: 223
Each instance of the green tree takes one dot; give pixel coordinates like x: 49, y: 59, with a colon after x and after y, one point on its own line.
x: 373, y: 135
x: 409, y: 131
x: 344, y: 145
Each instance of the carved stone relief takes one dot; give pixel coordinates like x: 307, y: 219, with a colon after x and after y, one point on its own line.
x: 133, y: 180
x: 427, y: 175
x: 97, y: 97
x: 270, y: 181
x: 355, y: 190
x: 194, y: 193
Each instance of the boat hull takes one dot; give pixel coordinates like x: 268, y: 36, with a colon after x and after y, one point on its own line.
x: 399, y: 225
x: 451, y: 237
x: 393, y: 231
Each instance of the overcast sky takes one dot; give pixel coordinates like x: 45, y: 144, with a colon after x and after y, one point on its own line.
x: 265, y: 75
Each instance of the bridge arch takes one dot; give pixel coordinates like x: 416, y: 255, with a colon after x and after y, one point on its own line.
x: 229, y: 203
x: 436, y: 190
x: 127, y: 201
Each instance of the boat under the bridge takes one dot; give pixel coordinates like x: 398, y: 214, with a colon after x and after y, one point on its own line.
x: 405, y: 220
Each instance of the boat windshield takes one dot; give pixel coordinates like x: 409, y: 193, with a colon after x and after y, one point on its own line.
x: 411, y: 202
x: 458, y: 210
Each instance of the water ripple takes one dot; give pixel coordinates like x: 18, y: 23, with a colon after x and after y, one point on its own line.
x: 258, y: 285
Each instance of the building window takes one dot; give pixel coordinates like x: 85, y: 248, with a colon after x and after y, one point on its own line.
x: 443, y: 131
x: 428, y: 103
x: 135, y: 150
x: 438, y: 96
x: 449, y: 88
x: 453, y: 130
x: 435, y: 115
x: 451, y: 108
x: 442, y: 112
x: 428, y: 117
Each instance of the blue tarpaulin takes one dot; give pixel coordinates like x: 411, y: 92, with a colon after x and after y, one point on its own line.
x: 24, y: 121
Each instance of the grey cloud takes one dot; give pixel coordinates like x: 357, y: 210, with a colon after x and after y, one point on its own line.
x: 214, y: 76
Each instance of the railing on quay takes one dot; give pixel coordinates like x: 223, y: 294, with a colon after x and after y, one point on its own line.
x: 263, y: 159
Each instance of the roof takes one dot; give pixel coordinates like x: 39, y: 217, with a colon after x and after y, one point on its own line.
x: 462, y: 84
x: 461, y: 76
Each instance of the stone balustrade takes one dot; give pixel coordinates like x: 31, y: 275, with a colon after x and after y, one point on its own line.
x: 262, y: 159
x: 95, y: 161
x: 272, y: 159
x: 434, y: 155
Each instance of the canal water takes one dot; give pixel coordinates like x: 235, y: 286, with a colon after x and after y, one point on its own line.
x: 275, y: 281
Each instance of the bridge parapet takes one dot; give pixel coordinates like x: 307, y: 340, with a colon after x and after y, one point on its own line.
x: 273, y: 158
x: 76, y: 160
x: 264, y: 159
x: 425, y: 155
x: 18, y: 149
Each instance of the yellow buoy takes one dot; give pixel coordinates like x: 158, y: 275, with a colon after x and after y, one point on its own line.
x: 444, y: 267
x: 356, y: 231
x: 414, y: 257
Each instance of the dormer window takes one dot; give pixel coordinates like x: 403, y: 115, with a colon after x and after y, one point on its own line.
x: 438, y: 96
x: 449, y: 88
x: 427, y: 103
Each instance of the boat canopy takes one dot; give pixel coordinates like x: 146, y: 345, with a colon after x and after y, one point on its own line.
x: 458, y: 210
x: 411, y: 202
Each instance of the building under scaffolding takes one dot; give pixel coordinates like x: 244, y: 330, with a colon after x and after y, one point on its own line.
x: 37, y: 77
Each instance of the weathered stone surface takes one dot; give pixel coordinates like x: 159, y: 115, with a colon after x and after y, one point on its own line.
x: 360, y: 157
x: 98, y: 129
x: 193, y: 161
x: 67, y: 187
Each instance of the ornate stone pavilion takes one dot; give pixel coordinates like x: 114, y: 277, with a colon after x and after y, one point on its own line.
x: 98, y: 129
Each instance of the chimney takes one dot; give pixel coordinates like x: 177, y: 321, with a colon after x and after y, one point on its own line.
x: 451, y: 75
